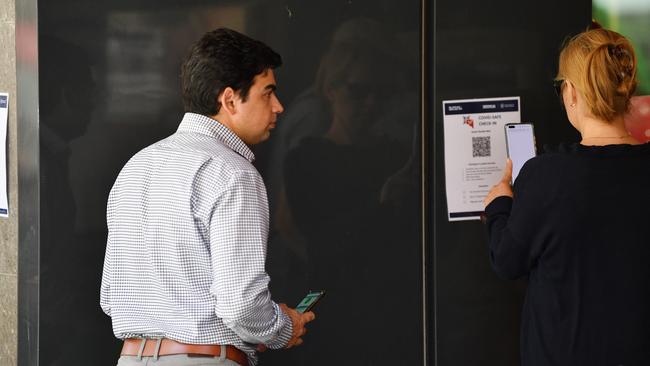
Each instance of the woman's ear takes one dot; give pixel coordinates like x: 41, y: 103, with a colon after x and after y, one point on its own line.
x: 227, y: 101
x: 570, y: 94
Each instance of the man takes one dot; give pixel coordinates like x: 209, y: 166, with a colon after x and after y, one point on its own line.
x: 184, y: 277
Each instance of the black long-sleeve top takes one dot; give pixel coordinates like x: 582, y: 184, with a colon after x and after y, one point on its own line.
x: 579, y: 229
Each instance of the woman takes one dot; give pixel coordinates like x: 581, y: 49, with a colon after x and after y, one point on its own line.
x: 576, y: 223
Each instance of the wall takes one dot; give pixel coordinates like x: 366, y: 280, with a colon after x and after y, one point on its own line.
x: 9, y: 227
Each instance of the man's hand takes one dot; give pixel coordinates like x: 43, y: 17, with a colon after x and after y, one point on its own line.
x: 502, y: 188
x: 298, y: 320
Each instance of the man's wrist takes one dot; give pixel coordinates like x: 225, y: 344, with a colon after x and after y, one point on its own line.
x: 285, y: 333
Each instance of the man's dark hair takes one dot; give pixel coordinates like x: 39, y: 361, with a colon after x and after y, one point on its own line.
x: 223, y: 58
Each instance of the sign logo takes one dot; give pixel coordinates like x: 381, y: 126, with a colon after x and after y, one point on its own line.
x: 3, y: 102
x: 468, y: 121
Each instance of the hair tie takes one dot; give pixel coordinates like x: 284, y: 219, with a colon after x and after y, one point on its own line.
x: 618, y: 51
x: 610, y: 49
x: 622, y: 57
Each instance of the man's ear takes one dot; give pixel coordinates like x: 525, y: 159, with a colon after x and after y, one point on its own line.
x: 227, y: 100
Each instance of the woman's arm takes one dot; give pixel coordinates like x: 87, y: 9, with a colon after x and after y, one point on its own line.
x: 512, y: 220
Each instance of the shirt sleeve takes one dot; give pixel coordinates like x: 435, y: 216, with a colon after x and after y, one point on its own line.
x: 238, y: 238
x: 515, y: 227
x: 105, y: 292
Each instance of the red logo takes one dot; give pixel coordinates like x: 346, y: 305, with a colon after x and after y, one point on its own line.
x: 468, y: 121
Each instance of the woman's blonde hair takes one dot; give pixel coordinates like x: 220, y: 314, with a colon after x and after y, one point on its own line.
x: 602, y: 65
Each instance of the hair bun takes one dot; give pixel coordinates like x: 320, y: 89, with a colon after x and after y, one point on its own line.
x: 622, y: 58
x: 618, y: 51
x: 602, y: 65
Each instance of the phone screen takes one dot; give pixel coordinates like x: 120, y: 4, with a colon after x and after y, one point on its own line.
x: 520, y: 141
x: 309, y: 301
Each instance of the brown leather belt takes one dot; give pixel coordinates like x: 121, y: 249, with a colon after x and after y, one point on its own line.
x: 169, y: 347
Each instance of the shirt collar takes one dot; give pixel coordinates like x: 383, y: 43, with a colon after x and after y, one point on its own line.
x: 198, y: 123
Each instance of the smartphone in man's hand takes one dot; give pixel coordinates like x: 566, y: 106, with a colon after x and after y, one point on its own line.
x: 309, y: 301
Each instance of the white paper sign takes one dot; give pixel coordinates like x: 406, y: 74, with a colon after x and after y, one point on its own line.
x: 475, y: 151
x: 4, y: 107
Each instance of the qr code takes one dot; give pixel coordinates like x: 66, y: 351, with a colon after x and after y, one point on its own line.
x: 481, y: 146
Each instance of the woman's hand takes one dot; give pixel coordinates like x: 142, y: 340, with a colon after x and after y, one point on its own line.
x: 502, y: 188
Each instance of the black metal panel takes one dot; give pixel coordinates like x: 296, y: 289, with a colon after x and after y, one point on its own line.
x: 345, y: 200
x: 488, y: 49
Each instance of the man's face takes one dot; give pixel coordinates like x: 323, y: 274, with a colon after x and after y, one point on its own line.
x: 256, y: 117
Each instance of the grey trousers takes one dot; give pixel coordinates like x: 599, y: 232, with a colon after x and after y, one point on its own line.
x: 177, y: 360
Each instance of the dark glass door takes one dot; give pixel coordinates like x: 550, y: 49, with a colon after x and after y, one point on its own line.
x: 342, y: 168
x: 484, y: 49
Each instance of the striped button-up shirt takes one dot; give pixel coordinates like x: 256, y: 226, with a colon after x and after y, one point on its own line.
x: 187, y: 232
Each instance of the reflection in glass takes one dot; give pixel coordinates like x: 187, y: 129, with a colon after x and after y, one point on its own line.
x: 65, y: 105
x: 346, y: 136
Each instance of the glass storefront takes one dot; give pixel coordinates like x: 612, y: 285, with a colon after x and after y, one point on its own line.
x: 354, y: 169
